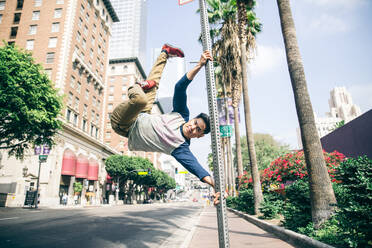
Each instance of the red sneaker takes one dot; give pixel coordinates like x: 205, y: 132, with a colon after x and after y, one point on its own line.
x: 173, y: 51
x: 147, y: 85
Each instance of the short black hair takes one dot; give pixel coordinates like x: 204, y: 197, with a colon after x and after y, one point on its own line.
x: 205, y: 118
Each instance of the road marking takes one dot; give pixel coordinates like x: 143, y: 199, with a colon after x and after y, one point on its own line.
x: 10, y: 218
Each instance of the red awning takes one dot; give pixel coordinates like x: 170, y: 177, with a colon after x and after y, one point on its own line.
x: 68, y: 163
x: 82, y: 165
x: 93, y: 170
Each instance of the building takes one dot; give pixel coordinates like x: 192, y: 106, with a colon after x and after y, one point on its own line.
x: 129, y: 35
x: 70, y: 39
x: 123, y: 73
x: 341, y: 108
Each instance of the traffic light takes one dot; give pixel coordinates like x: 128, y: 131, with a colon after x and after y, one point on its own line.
x: 176, y: 170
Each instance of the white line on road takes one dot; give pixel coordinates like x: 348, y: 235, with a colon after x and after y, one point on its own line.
x: 10, y: 218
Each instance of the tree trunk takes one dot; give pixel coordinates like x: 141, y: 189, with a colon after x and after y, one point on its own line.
x: 237, y: 142
x: 321, y: 192
x: 242, y: 16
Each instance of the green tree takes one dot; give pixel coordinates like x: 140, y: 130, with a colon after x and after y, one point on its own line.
x: 323, y: 199
x: 267, y: 150
x: 29, y: 105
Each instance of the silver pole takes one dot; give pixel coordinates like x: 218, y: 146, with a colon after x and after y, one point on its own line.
x: 37, y: 186
x: 218, y: 170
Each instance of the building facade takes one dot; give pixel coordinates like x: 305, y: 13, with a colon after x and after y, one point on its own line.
x: 70, y: 39
x: 129, y: 35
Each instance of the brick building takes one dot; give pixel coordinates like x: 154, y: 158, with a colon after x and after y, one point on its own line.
x: 70, y: 39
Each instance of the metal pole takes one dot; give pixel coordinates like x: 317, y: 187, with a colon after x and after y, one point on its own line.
x: 37, y: 186
x: 218, y: 169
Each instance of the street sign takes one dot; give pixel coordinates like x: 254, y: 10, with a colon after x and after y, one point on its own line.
x: 37, y: 150
x: 46, y: 150
x: 143, y: 173
x: 183, y: 172
x: 226, y: 130
x: 182, y: 2
x: 43, y: 158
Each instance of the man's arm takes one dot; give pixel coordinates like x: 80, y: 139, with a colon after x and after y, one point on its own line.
x: 180, y: 96
x: 206, y: 55
x: 185, y: 157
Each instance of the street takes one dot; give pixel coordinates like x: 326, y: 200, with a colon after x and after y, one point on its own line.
x: 153, y: 225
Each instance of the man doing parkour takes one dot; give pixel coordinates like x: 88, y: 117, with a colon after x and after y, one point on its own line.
x: 167, y: 133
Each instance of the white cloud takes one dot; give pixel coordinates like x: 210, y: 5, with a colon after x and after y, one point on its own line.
x: 267, y: 59
x: 329, y: 24
x: 361, y: 95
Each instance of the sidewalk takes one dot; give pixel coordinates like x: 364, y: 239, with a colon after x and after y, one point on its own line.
x: 242, y: 233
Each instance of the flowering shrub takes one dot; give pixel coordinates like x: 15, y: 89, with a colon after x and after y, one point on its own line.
x: 291, y: 167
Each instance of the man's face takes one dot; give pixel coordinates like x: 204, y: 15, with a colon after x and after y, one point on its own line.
x: 194, y: 128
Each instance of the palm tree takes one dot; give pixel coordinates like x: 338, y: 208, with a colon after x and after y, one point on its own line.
x: 321, y: 193
x: 247, y: 40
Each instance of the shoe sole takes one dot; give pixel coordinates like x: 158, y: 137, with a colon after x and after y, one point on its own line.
x: 170, y: 55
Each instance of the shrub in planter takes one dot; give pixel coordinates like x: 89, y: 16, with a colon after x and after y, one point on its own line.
x: 244, y: 202
x: 354, y: 197
x: 272, y: 205
x: 297, y: 207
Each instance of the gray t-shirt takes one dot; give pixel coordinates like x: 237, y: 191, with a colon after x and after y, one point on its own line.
x: 156, y: 133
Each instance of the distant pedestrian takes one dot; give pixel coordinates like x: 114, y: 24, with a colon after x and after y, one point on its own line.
x: 64, y: 199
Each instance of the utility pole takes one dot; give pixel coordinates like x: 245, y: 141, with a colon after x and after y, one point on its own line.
x: 223, y: 231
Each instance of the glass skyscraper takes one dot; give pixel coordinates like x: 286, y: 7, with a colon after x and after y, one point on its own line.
x: 129, y: 35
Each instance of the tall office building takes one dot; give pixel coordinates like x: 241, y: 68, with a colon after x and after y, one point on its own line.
x: 129, y: 35
x: 70, y: 39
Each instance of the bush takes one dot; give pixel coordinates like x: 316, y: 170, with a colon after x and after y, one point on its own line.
x: 354, y: 196
x: 272, y: 205
x: 297, y: 208
x: 244, y: 202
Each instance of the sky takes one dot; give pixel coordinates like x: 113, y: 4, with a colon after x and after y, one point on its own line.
x: 334, y: 37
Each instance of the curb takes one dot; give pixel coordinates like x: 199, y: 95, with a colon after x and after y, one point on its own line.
x: 295, y: 239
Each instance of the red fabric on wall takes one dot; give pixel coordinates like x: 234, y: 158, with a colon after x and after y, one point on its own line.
x: 93, y: 170
x: 68, y: 163
x: 82, y: 166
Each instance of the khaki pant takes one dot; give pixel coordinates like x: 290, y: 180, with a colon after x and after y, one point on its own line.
x: 126, y: 113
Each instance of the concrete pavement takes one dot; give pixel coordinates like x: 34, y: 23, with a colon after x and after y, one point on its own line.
x: 242, y: 233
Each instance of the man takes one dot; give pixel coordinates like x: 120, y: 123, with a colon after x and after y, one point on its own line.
x: 168, y: 133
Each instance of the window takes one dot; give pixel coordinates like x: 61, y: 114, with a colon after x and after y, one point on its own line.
x: 111, y: 98
x: 97, y: 118
x: 55, y: 27
x: 32, y: 30
x: 52, y: 42
x: 85, y: 30
x: 30, y: 45
x: 77, y: 102
x: 87, y: 17
x: 80, y: 23
x: 84, y: 43
x: 109, y: 107
x: 17, y: 18
x: 1, y: 17
x: 19, y: 4
x: 91, y: 129
x: 94, y: 28
x: 111, y: 89
x: 82, y: 9
x: 87, y: 94
x: 59, y: 1
x: 94, y: 101
x: 13, y: 32
x: 93, y: 40
x: 37, y: 3
x: 78, y: 36
x: 91, y: 53
x: 69, y: 101
x: 84, y: 125
x: 68, y: 115
x: 2, y: 5
x: 123, y: 96
x: 75, y: 119
x: 108, y: 135
x: 50, y: 58
x: 78, y: 87
x: 72, y: 82
x: 124, y: 87
x: 57, y: 13
x: 35, y: 15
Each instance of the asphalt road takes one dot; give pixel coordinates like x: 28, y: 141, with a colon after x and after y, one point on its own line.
x: 153, y: 225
